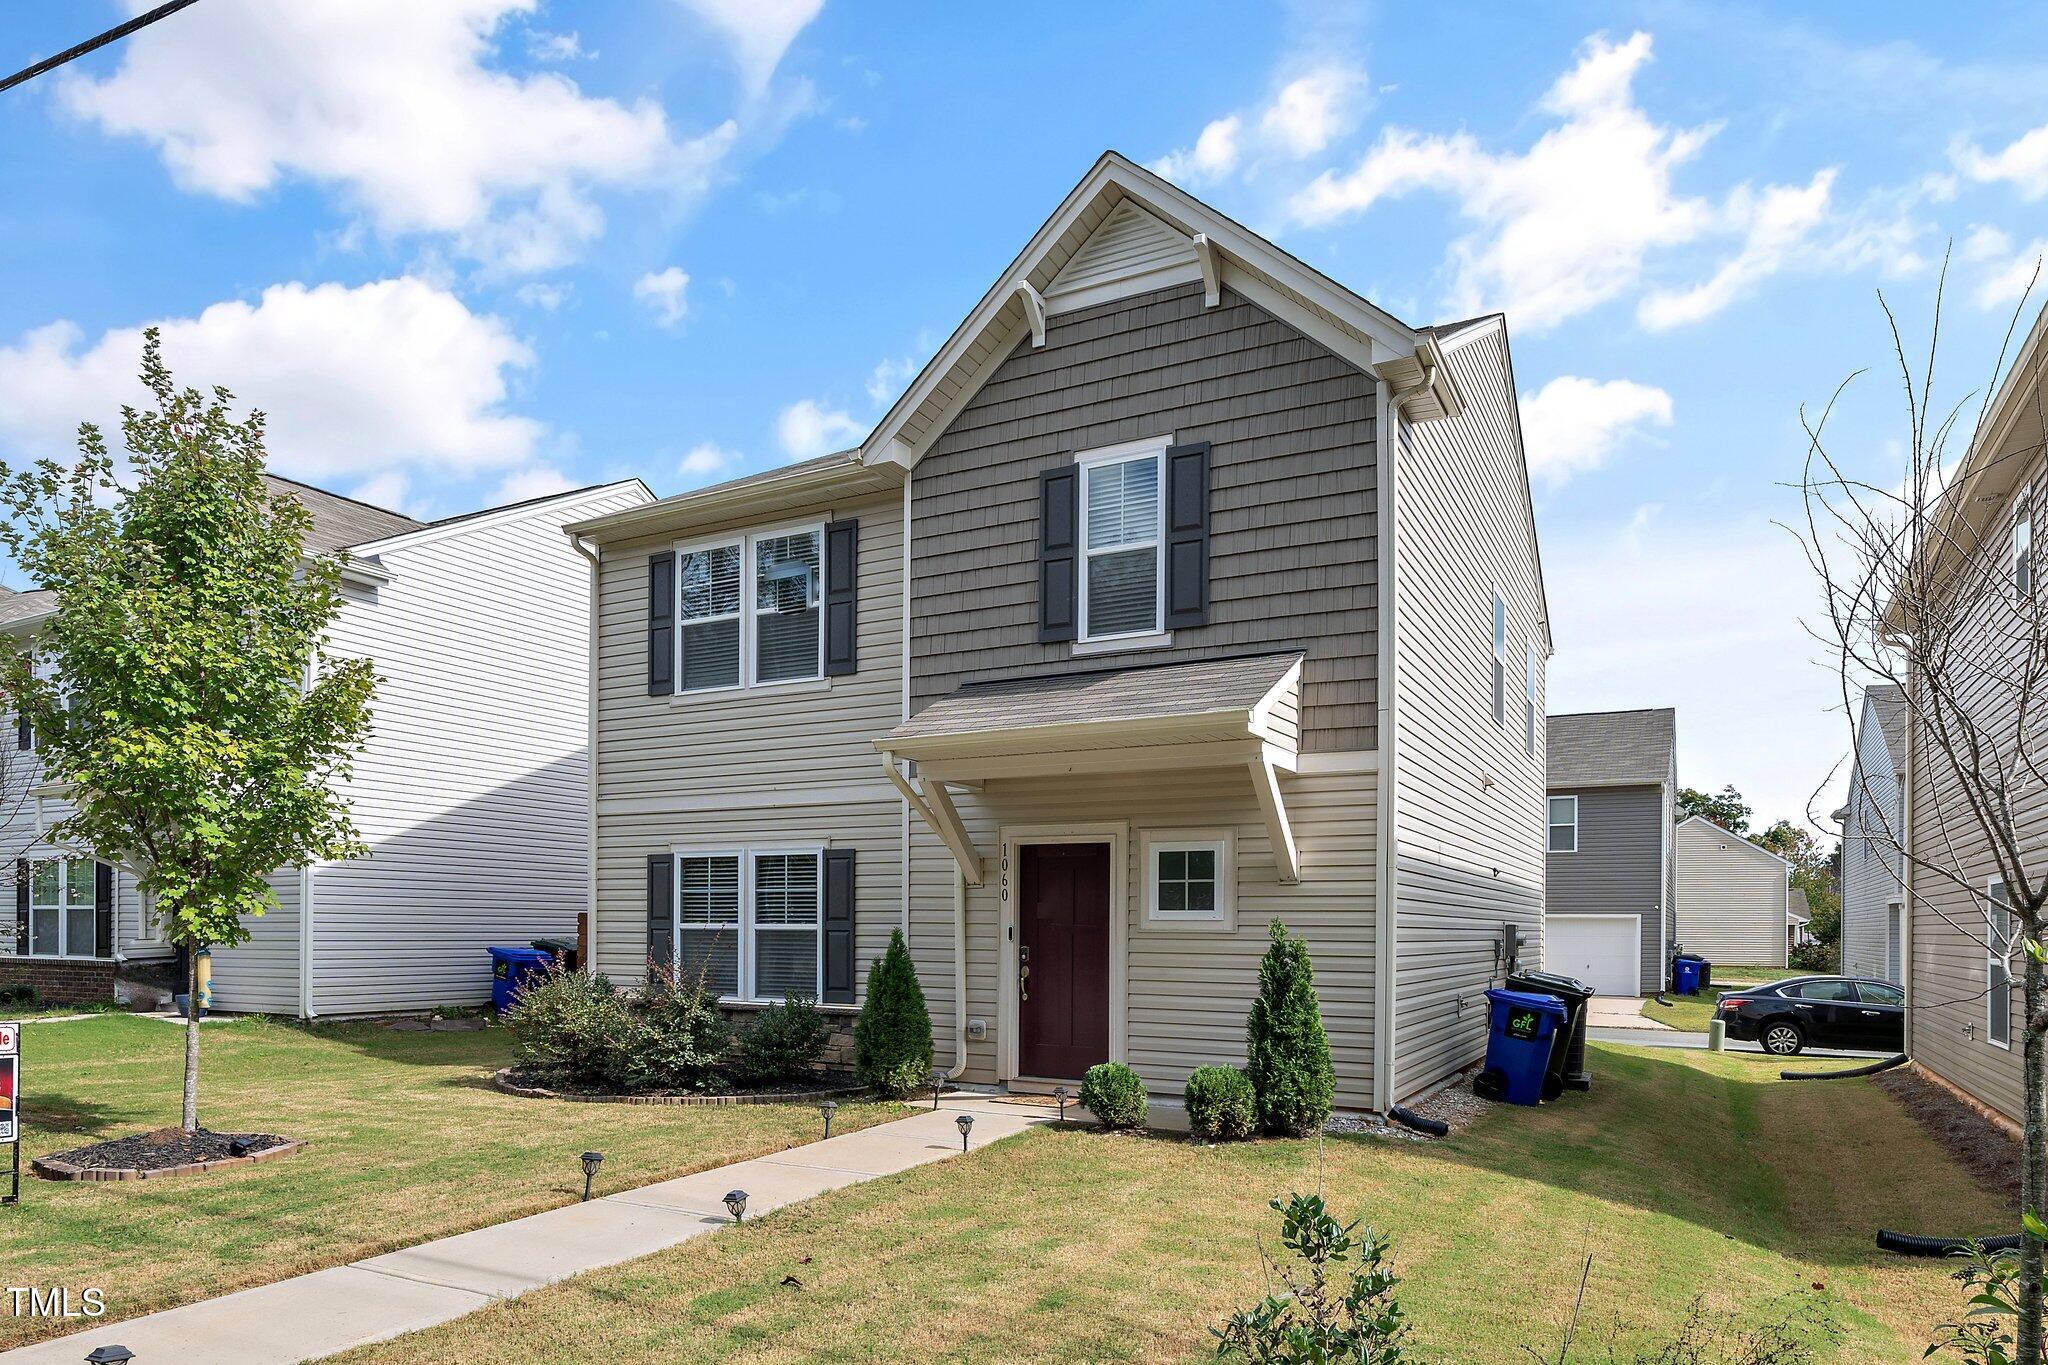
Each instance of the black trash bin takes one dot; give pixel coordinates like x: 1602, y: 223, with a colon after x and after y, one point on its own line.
x: 1568, y: 1059
x: 563, y: 949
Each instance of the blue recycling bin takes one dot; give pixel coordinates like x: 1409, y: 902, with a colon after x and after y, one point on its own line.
x: 1522, y: 1027
x: 511, y: 969
x: 1688, y: 973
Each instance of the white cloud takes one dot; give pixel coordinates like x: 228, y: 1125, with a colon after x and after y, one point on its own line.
x: 543, y: 46
x: 805, y: 429
x: 1571, y: 425
x: 666, y: 292
x: 1213, y: 156
x: 2022, y: 163
x: 1303, y: 117
x: 536, y: 481
x: 1777, y: 224
x: 760, y: 31
x: 389, y: 490
x: 546, y: 297
x: 1702, y: 615
x: 2004, y: 273
x: 706, y: 461
x: 391, y: 104
x: 391, y: 375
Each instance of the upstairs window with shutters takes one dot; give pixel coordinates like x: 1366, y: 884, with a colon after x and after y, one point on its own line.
x: 750, y: 611
x: 1122, y: 532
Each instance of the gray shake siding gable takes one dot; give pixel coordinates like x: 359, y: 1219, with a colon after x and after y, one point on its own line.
x: 1292, y: 549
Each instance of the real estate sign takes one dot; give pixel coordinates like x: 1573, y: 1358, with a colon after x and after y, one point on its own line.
x: 10, y: 1081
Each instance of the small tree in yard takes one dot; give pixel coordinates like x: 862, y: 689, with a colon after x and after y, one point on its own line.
x: 1923, y: 589
x: 1287, y: 1052
x: 1309, y: 1320
x: 179, y: 695
x: 892, y: 1038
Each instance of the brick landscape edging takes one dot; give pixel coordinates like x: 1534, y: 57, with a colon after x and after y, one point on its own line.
x: 50, y: 1168
x: 502, y: 1080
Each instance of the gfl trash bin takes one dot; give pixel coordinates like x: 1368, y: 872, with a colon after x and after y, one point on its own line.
x: 1522, y: 1027
x: 1688, y: 973
x: 511, y: 969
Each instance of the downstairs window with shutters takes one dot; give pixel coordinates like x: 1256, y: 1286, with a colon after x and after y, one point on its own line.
x: 749, y: 922
x: 62, y: 908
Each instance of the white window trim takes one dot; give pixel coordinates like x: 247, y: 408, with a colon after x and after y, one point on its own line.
x: 2023, y: 554
x: 1992, y: 959
x: 1156, y: 448
x: 1221, y: 842
x: 745, y: 927
x: 62, y: 907
x: 1550, y: 824
x: 748, y: 612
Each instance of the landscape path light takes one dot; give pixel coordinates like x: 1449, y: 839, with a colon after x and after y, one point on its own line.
x: 1059, y: 1092
x: 591, y: 1161
x: 109, y: 1355
x: 736, y: 1205
x: 828, y: 1109
x: 966, y: 1122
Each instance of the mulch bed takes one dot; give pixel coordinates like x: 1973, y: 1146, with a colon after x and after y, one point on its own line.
x: 537, y: 1085
x: 163, y: 1152
x: 1985, y: 1150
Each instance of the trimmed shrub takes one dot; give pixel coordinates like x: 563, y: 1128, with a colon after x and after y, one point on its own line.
x: 892, y: 1038
x: 1114, y: 1094
x: 680, y: 1040
x: 783, y: 1043
x: 577, y: 1028
x: 1221, y: 1107
x: 1287, y: 1052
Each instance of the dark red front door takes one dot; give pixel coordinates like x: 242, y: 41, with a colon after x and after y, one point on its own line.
x: 1063, y: 959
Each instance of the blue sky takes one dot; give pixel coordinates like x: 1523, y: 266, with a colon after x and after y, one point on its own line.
x: 478, y: 249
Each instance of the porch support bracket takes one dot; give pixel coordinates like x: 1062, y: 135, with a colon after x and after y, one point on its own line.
x: 1266, y: 786
x: 938, y: 812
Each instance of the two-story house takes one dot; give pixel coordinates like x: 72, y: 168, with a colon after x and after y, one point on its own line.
x: 1182, y: 591
x: 471, y: 792
x: 1873, y: 833
x: 1611, y: 901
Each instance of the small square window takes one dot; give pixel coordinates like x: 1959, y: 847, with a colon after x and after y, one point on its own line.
x: 1190, y: 878
x: 1564, y: 825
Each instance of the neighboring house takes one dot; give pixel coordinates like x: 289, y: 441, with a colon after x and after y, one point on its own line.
x: 1611, y: 900
x: 1873, y: 830
x: 471, y: 794
x: 1182, y: 591
x: 1735, y: 897
x: 1962, y: 1020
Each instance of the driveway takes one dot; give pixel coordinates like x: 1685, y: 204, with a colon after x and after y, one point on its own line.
x: 1670, y: 1037
x: 1621, y: 1012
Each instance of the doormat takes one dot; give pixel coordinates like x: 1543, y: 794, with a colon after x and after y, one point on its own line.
x: 1033, y: 1101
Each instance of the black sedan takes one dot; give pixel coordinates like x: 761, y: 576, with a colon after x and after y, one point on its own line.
x: 1789, y: 1016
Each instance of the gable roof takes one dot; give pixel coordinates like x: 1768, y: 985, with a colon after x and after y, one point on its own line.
x: 22, y: 606
x: 1752, y: 845
x: 1224, y: 250
x: 1887, y: 702
x: 1611, y: 748
x: 338, y: 522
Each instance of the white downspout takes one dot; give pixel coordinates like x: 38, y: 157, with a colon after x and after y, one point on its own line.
x: 959, y: 975
x: 590, y: 762
x: 1387, y: 439
x: 904, y: 681
x: 306, y: 1010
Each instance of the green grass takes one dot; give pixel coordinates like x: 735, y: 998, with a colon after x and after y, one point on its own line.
x: 1688, y: 1013
x: 409, y: 1142
x: 1683, y: 1174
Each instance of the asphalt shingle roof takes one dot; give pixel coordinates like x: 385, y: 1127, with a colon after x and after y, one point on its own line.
x: 1612, y: 748
x: 19, y: 606
x: 1888, y: 700
x: 339, y: 522
x: 1189, y: 689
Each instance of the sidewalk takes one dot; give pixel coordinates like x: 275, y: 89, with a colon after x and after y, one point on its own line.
x: 1621, y: 1011
x: 386, y: 1296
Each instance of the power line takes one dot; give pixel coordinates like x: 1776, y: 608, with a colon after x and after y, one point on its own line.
x: 94, y: 44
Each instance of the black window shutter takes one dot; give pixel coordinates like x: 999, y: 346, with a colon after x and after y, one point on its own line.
x: 24, y: 737
x: 842, y: 573
x: 1059, y: 545
x: 1187, y: 535
x: 661, y: 625
x: 21, y: 906
x: 103, y: 910
x: 661, y: 914
x: 838, y: 927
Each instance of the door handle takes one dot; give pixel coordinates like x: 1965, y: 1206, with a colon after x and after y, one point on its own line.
x: 1872, y: 1014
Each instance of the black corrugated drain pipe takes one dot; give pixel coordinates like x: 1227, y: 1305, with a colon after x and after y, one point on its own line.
x: 1905, y: 1244
x: 1409, y: 1118
x: 1869, y: 1070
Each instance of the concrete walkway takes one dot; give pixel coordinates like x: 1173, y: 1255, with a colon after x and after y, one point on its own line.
x: 386, y: 1296
x: 1621, y: 1011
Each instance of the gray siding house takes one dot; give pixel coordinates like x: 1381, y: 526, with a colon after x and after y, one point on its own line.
x: 471, y: 793
x: 1183, y: 590
x: 1611, y: 883
x: 1735, y: 898
x: 1873, y: 831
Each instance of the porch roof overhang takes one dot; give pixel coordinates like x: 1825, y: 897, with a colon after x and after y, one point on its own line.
x: 1240, y: 712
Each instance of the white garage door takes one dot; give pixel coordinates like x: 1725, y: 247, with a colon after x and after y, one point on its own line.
x: 1600, y: 950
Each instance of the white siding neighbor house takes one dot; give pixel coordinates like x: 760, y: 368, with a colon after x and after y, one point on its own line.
x: 1183, y: 591
x: 1734, y: 897
x: 472, y: 793
x: 1873, y: 831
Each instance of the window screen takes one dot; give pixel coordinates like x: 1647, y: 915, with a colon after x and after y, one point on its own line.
x: 708, y: 592
x: 786, y: 614
x: 708, y: 915
x: 786, y: 904
x: 1121, y: 525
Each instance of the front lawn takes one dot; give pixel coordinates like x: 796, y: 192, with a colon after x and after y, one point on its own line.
x: 1689, y: 1013
x: 409, y: 1142
x: 1682, y: 1174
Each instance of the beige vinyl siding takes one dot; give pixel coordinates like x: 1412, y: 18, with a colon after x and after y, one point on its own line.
x: 1871, y: 883
x: 1468, y: 797
x: 1293, y: 496
x: 471, y: 793
x: 790, y: 764
x: 1188, y: 989
x: 1731, y: 897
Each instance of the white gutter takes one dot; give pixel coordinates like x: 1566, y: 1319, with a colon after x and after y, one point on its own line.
x: 590, y: 763
x: 1387, y: 895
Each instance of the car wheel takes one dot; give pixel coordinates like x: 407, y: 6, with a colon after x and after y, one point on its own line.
x: 1782, y: 1038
